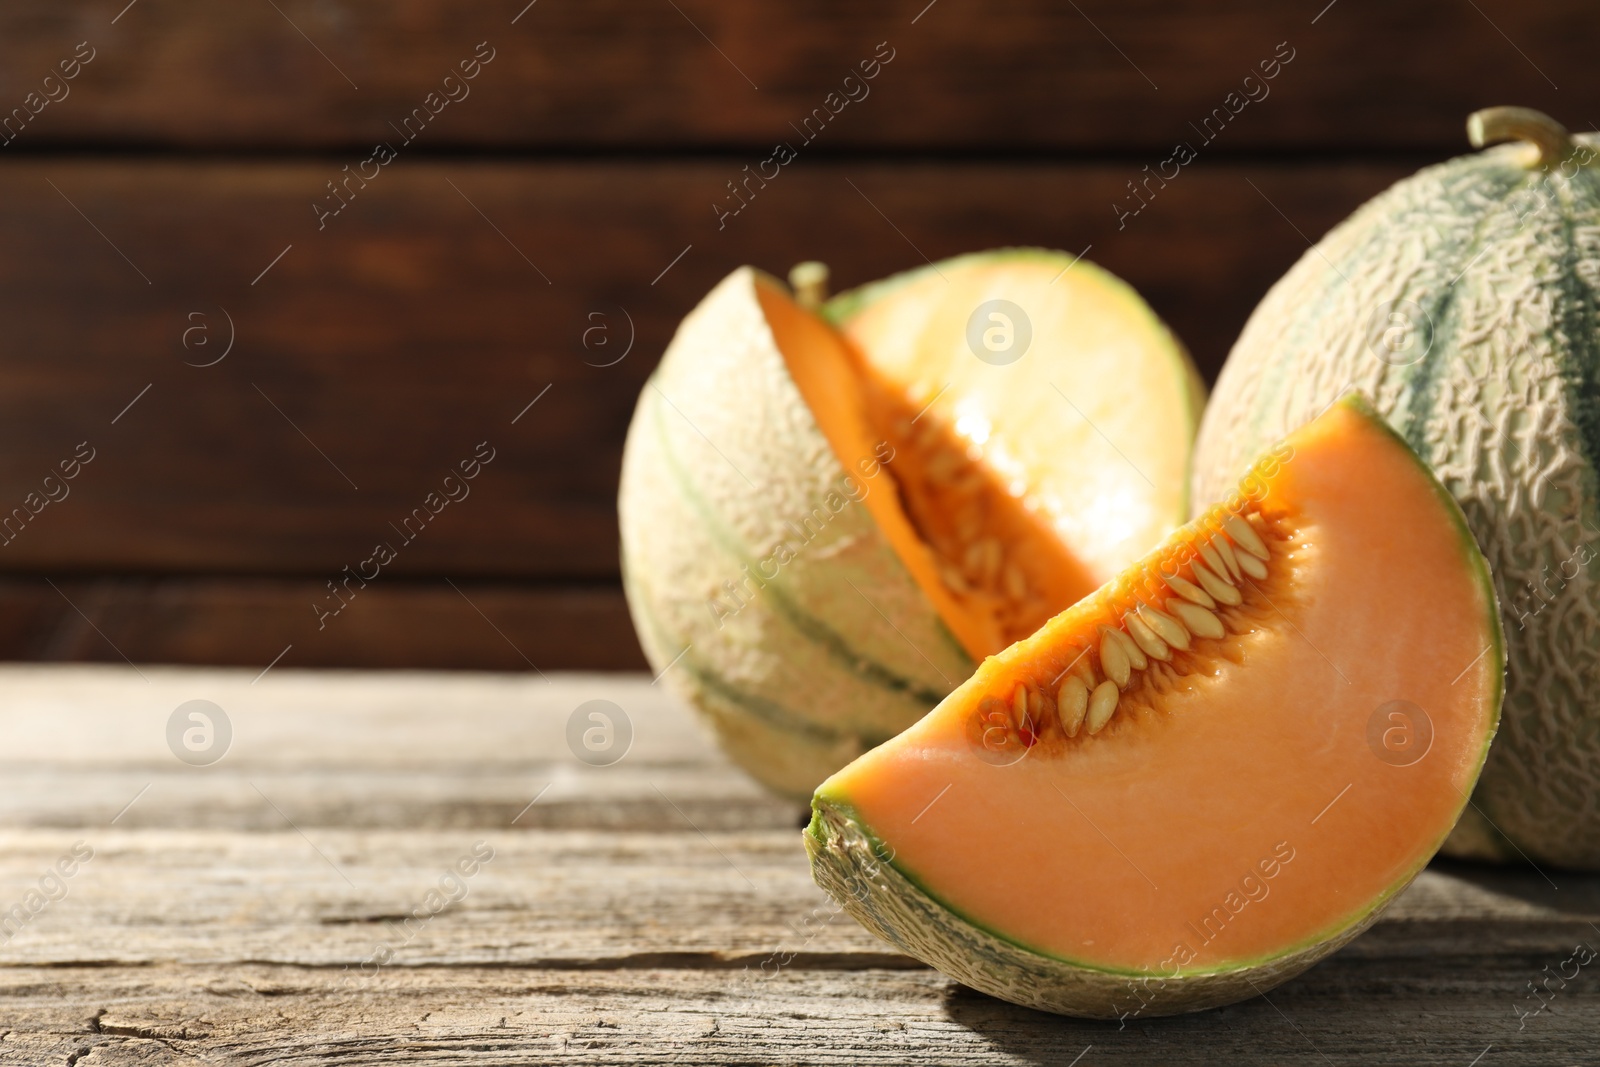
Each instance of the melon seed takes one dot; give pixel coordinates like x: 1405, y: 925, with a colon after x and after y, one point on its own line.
x: 1166, y: 627
x: 1246, y: 537
x: 968, y: 482
x: 970, y: 524
x: 1252, y: 566
x: 1016, y: 585
x: 1218, y: 588
x: 1019, y: 703
x: 1214, y: 561
x: 1189, y: 591
x: 1102, y: 704
x: 1081, y: 668
x: 1147, y: 638
x: 1113, y: 660
x: 1197, y: 618
x: 990, y: 558
x: 954, y: 580
x: 1072, y: 702
x: 1225, y: 550
x: 1134, y: 653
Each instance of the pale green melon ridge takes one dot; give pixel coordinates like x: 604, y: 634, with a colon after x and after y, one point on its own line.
x: 1578, y: 319
x: 808, y: 625
x: 769, y: 711
x: 1278, y: 377
x: 784, y: 752
x: 846, y: 305
x: 1445, y: 306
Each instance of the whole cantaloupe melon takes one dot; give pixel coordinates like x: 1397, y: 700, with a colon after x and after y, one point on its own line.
x: 830, y: 516
x: 1465, y: 301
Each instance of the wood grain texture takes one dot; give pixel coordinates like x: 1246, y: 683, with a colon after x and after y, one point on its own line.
x: 378, y: 353
x: 210, y: 927
x: 1427, y: 1011
x: 454, y: 625
x: 638, y: 75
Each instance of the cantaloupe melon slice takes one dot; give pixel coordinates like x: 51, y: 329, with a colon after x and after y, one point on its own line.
x: 828, y: 519
x: 1209, y: 774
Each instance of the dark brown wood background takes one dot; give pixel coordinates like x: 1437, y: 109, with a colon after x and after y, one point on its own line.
x: 573, y: 189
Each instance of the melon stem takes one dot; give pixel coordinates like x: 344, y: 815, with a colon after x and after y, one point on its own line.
x: 809, y: 280
x: 1495, y: 124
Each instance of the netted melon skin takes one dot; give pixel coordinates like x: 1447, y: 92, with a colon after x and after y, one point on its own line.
x: 840, y: 649
x: 1501, y: 265
x: 847, y: 864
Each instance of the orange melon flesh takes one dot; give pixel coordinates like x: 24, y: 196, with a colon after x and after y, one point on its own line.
x: 1252, y: 797
x: 861, y: 419
x: 997, y: 470
x: 1089, y: 427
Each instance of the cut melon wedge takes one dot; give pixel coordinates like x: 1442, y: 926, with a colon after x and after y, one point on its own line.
x: 1215, y: 770
x: 828, y: 519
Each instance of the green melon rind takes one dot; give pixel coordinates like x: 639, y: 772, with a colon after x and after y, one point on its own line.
x: 805, y: 676
x: 883, y: 899
x: 890, y: 900
x: 779, y: 747
x: 845, y: 306
x: 1515, y: 294
x: 808, y: 625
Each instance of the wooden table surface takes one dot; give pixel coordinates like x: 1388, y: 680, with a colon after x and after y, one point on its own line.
x: 274, y: 906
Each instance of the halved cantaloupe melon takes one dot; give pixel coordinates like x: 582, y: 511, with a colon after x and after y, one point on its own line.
x: 1212, y: 772
x: 828, y: 519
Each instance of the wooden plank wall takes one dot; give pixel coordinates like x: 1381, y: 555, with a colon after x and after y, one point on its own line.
x: 172, y: 196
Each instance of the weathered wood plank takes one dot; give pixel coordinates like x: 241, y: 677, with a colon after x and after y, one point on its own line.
x: 384, y: 348
x: 103, y: 718
x: 206, y: 927
x: 379, y: 352
x: 478, y: 625
x: 354, y: 750
x: 629, y: 73
x: 546, y: 898
x: 630, y: 796
x: 1443, y: 1011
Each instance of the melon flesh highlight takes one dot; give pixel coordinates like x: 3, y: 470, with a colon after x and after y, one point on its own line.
x: 1251, y: 801
x: 1090, y: 427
